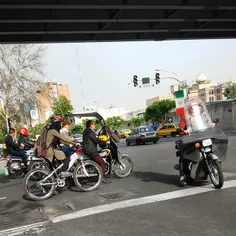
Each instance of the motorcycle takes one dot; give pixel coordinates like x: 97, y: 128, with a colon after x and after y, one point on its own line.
x: 120, y: 164
x: 16, y: 168
x: 48, y: 179
x: 204, y: 148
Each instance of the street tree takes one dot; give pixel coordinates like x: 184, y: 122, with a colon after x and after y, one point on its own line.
x: 62, y: 106
x: 115, y: 122
x: 136, y: 121
x: 230, y: 92
x: 78, y: 128
x: 21, y: 70
x: 158, y: 111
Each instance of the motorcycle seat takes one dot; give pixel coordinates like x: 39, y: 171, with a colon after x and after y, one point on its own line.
x: 15, y: 157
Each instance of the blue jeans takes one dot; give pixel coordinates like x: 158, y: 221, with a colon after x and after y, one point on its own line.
x: 67, y: 150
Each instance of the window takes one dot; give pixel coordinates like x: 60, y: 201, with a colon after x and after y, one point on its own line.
x: 211, y: 92
x: 170, y: 127
x: 218, y: 91
x: 164, y: 127
x: 146, y: 129
x: 218, y: 97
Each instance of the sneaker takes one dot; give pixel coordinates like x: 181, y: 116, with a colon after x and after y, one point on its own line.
x: 65, y: 174
x: 182, y: 181
x: 105, y: 181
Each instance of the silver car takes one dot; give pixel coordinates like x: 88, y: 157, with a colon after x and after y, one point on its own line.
x: 142, y: 134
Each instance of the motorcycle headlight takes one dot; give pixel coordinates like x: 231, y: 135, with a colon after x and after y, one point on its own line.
x: 207, y: 142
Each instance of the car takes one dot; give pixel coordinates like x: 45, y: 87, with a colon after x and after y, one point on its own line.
x: 124, y: 133
x: 167, y: 130
x: 78, y: 138
x: 142, y: 134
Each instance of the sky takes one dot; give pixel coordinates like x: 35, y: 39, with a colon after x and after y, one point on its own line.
x: 98, y: 73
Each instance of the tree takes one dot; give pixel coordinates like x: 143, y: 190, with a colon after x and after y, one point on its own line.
x: 21, y: 68
x: 115, y: 122
x: 136, y: 121
x: 230, y: 92
x: 158, y: 111
x: 37, y: 129
x: 62, y: 106
x: 78, y: 128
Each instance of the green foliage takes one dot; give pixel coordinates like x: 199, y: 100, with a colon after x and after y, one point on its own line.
x: 62, y: 106
x: 37, y: 129
x: 3, y: 130
x: 115, y: 122
x: 136, y: 121
x: 78, y: 128
x: 230, y: 92
x: 158, y: 111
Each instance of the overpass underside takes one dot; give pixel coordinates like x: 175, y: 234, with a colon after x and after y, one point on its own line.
x: 40, y: 21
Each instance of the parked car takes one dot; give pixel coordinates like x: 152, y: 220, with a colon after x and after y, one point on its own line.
x: 124, y: 133
x: 79, y: 138
x: 142, y: 134
x: 167, y: 130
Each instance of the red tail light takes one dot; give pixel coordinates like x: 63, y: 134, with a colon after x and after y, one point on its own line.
x: 142, y: 136
x: 157, y: 134
x: 79, y: 151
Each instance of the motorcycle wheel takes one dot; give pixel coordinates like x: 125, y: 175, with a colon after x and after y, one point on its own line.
x: 216, y: 169
x: 123, y: 171
x: 15, y: 174
x: 94, y: 170
x: 37, y: 175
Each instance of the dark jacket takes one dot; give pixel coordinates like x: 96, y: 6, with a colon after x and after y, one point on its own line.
x: 26, y: 141
x: 90, y: 141
x: 11, y: 145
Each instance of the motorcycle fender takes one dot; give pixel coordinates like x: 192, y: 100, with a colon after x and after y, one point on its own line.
x: 194, y: 170
x: 213, y: 156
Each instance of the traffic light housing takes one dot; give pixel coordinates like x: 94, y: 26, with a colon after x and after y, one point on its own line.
x: 157, y: 78
x: 135, y: 80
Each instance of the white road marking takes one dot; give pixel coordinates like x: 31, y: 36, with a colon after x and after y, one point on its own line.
x: 22, y: 229
x: 2, y: 198
x: 140, y: 201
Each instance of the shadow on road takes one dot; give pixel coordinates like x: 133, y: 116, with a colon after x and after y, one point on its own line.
x: 157, y: 177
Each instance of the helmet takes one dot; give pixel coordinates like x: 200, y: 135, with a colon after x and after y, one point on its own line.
x: 103, y: 138
x: 56, y: 119
x: 23, y: 131
x: 195, y: 109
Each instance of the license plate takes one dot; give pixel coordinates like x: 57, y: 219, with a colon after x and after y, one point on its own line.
x: 150, y: 134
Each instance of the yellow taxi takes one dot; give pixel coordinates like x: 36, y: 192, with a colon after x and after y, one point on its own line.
x: 167, y: 130
x: 124, y: 133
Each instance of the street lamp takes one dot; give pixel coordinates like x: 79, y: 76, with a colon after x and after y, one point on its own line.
x: 183, y: 83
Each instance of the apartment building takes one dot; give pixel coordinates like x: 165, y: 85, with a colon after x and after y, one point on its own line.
x: 46, y: 95
x: 158, y: 98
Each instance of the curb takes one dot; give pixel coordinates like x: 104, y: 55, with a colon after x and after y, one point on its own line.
x: 2, y: 166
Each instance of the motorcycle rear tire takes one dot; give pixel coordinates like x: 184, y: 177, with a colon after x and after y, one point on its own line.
x: 117, y: 174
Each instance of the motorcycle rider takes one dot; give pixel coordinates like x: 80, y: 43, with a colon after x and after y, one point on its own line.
x: 13, y: 148
x: 193, y: 110
x: 24, y: 138
x: 65, y: 131
x: 90, y: 142
x: 53, y: 141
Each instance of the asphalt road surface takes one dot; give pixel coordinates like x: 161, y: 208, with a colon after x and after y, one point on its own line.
x: 148, y: 202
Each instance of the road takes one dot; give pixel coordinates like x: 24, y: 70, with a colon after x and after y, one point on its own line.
x: 142, y: 204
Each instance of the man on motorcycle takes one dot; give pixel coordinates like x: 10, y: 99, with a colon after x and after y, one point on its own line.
x: 24, y: 138
x: 90, y: 142
x: 13, y: 148
x: 194, y: 111
x: 53, y: 141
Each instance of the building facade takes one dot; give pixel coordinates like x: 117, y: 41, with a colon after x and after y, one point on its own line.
x: 46, y: 95
x: 158, y: 98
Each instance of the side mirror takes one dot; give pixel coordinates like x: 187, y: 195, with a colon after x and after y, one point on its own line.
x: 216, y: 120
